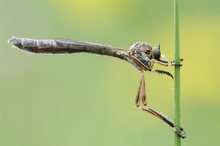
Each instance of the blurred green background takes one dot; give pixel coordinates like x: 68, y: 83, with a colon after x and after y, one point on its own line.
x: 88, y: 100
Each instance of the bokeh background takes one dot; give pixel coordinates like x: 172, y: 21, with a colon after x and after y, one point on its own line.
x: 88, y: 100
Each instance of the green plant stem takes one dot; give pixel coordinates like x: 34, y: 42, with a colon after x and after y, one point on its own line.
x: 177, y: 140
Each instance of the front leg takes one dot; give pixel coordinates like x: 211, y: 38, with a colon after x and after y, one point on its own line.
x: 165, y: 63
x: 175, y: 64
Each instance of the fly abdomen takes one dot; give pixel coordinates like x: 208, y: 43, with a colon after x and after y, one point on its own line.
x: 34, y: 45
x: 61, y: 46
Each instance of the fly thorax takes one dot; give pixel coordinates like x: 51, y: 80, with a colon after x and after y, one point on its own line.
x: 141, y: 46
x: 142, y: 51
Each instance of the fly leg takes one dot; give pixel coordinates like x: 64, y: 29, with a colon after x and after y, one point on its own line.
x: 141, y: 97
x: 174, y: 64
x: 179, y: 131
x: 165, y: 63
x: 163, y: 72
x: 141, y: 93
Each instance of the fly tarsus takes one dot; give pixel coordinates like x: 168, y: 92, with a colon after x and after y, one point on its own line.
x: 180, y: 132
x: 175, y: 64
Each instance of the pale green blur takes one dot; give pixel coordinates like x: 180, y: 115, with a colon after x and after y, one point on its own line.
x: 88, y: 100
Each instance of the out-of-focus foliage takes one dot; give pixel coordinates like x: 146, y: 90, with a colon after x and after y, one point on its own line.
x: 83, y: 99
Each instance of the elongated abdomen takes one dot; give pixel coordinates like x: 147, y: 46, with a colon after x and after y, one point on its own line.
x: 40, y: 46
x: 61, y: 46
x: 57, y: 46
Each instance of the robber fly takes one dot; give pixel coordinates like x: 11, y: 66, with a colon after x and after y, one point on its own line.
x: 141, y: 55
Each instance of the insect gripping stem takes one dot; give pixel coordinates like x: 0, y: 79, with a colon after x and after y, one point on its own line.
x: 141, y: 55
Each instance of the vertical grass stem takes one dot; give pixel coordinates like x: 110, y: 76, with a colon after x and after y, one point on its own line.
x: 177, y: 140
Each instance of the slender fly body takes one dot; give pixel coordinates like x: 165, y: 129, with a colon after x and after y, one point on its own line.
x: 141, y: 54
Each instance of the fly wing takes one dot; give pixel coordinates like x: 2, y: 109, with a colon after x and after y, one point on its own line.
x: 139, y: 63
x: 72, y: 42
x: 82, y: 46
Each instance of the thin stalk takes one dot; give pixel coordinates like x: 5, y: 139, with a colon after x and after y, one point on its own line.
x: 177, y: 139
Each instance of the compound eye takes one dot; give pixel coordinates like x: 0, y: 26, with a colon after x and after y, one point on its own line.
x: 156, y: 53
